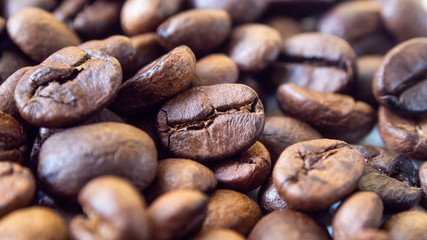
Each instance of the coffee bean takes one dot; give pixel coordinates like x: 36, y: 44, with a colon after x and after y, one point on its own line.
x: 362, y: 210
x: 20, y: 224
x: 211, y: 122
x: 9, y: 7
x: 216, y: 234
x: 404, y: 134
x: 370, y: 234
x: 68, y: 87
x: 12, y: 139
x: 423, y: 182
x: 17, y: 185
x: 318, y: 61
x: 312, y: 175
x: 189, y: 28
x: 245, y: 171
x: 215, y: 69
x: 292, y: 224
x: 286, y: 26
x: 156, y: 82
x: 10, y: 61
x: 69, y: 159
x: 177, y: 213
x: 147, y: 49
x: 335, y: 116
x: 232, y: 210
x: 399, y: 83
x: 114, y: 209
x: 140, y: 16
x: 253, y: 46
x: 410, y: 225
x: 44, y: 33
x: 7, y: 90
x: 366, y: 68
x: 382, y: 159
x: 269, y: 199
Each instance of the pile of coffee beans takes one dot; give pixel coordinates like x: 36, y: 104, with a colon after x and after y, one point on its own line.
x: 213, y: 119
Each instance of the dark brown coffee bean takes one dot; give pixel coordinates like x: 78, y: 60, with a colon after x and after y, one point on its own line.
x: 318, y: 61
x: 69, y: 159
x: 147, y: 49
x: 190, y: 28
x: 362, y: 210
x: 215, y: 69
x: 286, y: 26
x: 281, y: 131
x: 410, y: 225
x: 156, y: 82
x: 269, y: 199
x: 370, y: 234
x: 211, y: 122
x: 405, y: 19
x: 12, y: 139
x: 232, y: 210
x: 20, y: 225
x: 177, y: 213
x: 44, y: 34
x: 9, y: 7
x: 379, y: 158
x: 423, y: 183
x: 335, y: 116
x: 399, y: 82
x: 178, y: 173
x: 114, y: 209
x: 292, y: 224
x: 7, y: 91
x: 312, y: 175
x: 404, y: 134
x: 17, y: 186
x: 241, y: 11
x: 245, y: 171
x: 11, y: 61
x: 218, y: 234
x: 366, y: 68
x: 68, y: 87
x: 254, y: 46
x: 140, y: 16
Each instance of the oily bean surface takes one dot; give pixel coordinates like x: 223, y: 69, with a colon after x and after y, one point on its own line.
x: 410, y: 225
x: 269, y: 199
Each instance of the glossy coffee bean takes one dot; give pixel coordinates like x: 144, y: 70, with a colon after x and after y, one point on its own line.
x: 12, y: 139
x: 404, y: 134
x: 69, y: 159
x: 362, y: 210
x: 189, y: 28
x: 366, y: 68
x: 49, y: 225
x: 253, y: 46
x: 177, y: 213
x: 44, y: 33
x: 318, y: 61
x: 147, y: 49
x: 290, y: 223
x: 156, y: 82
x: 217, y: 234
x: 211, y: 122
x: 215, y: 69
x: 11, y: 61
x: 335, y: 116
x: 399, y: 83
x: 269, y: 199
x: 312, y: 175
x: 409, y: 225
x: 69, y: 86
x: 114, y: 209
x: 232, y: 210
x: 382, y: 159
x: 245, y: 171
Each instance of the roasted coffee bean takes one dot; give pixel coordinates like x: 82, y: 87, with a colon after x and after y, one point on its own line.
x: 156, y: 82
x: 343, y: 20
x: 232, y: 210
x: 269, y: 199
x: 7, y: 91
x: 404, y: 134
x: 147, y: 49
x: 68, y: 87
x: 178, y: 173
x: 17, y: 185
x: 211, y: 122
x: 177, y: 213
x: 423, y: 182
x: 9, y: 7
x: 11, y: 61
x: 410, y: 225
x: 20, y: 225
x: 241, y: 11
x: 245, y: 171
x: 253, y: 46
x: 69, y: 159
x: 286, y: 26
x: 312, y: 175
x: 12, y: 139
x: 217, y: 234
x: 215, y: 69
x: 281, y: 131
x: 366, y: 68
x: 190, y: 28
x: 400, y: 83
x: 335, y: 116
x: 370, y: 234
x: 140, y: 16
x: 318, y: 61
x: 292, y: 224
x: 379, y: 158
x: 362, y: 210
x: 114, y: 209
x: 44, y: 34
x: 405, y: 19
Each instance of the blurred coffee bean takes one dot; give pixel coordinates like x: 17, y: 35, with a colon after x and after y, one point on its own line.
x: 269, y: 199
x: 217, y: 234
x: 11, y: 61
x: 12, y: 139
x: 286, y: 26
x: 147, y: 49
x: 215, y: 69
x: 370, y: 234
x: 9, y: 7
x: 7, y: 91
x: 423, y: 182
x: 366, y: 68
x: 410, y: 225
